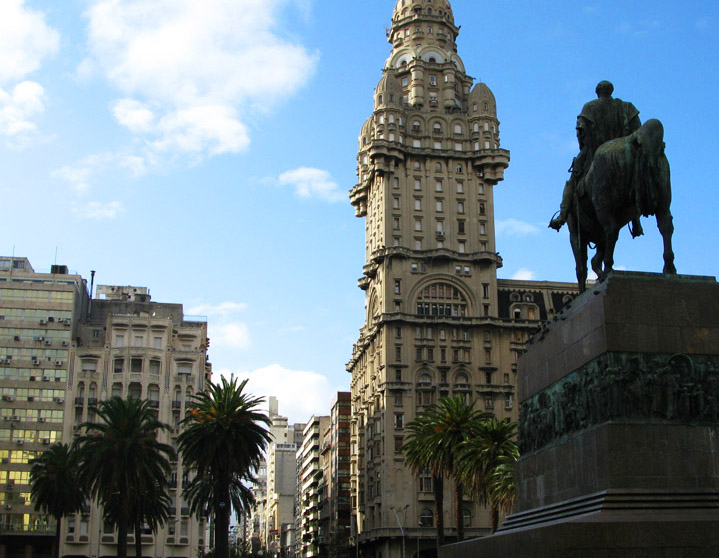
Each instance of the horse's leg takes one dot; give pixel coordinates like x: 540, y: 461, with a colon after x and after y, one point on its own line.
x: 598, y: 259
x: 580, y: 255
x: 612, y: 233
x: 665, y: 223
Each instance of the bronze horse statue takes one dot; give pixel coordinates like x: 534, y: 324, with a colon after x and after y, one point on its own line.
x: 627, y: 177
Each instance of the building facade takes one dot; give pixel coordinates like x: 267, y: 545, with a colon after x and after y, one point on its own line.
x: 131, y: 347
x: 309, y: 480
x: 281, y: 483
x: 39, y: 315
x: 438, y: 321
x: 334, y: 488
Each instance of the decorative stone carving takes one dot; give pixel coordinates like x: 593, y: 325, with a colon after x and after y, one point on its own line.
x: 677, y: 388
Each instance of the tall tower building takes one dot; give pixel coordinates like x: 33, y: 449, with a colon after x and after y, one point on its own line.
x: 438, y: 321
x: 39, y: 313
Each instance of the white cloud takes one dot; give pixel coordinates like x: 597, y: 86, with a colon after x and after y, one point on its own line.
x: 222, y: 309
x: 99, y: 211
x: 524, y: 274
x: 310, y: 182
x: 79, y: 175
x: 232, y: 335
x: 25, y: 41
x: 132, y: 114
x: 19, y: 106
x: 192, y: 72
x: 300, y: 393
x: 514, y: 227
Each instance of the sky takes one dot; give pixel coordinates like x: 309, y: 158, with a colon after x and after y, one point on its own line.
x: 205, y: 148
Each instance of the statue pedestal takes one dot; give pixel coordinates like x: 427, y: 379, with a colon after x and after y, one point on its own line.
x: 619, y: 429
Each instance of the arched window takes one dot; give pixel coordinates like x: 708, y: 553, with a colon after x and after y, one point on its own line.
x: 425, y: 378
x: 461, y: 378
x: 81, y: 389
x: 441, y: 299
x: 135, y: 391
x: 438, y: 167
x: 153, y: 393
x: 426, y: 518
x: 437, y: 128
x: 514, y: 297
x: 466, y: 517
x: 457, y: 128
x: 116, y: 389
x: 92, y: 393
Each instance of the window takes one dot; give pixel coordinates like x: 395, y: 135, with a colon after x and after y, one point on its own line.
x: 89, y: 366
x: 395, y: 182
x: 460, y: 187
x: 482, y: 209
x: 119, y: 340
x: 508, y: 401
x: 398, y: 374
x: 395, y: 223
x: 418, y: 204
x: 460, y: 169
x: 426, y: 518
x: 136, y: 365
x: 417, y: 184
x: 398, y: 399
x: 118, y: 365
x: 397, y: 286
x: 418, y: 224
x: 460, y: 207
x: 155, y: 367
x: 440, y: 207
x: 467, y: 518
x: 138, y: 341
x: 460, y: 227
x: 157, y: 342
x: 462, y: 246
x: 398, y: 353
x: 432, y: 77
x: 184, y: 368
x: 395, y: 203
x: 485, y: 290
x: 425, y: 483
x: 397, y: 444
x: 489, y: 402
x: 457, y: 128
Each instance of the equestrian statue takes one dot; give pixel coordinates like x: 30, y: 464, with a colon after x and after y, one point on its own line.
x: 620, y: 174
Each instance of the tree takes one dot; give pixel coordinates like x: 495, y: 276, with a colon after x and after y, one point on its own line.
x: 433, y: 442
x: 223, y: 439
x: 486, y: 464
x: 120, y: 459
x: 55, y: 486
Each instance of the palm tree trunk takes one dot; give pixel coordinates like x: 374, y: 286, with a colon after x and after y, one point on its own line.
x: 122, y: 533
x: 138, y: 540
x: 438, y: 486
x: 458, y: 509
x: 222, y: 517
x: 56, y: 544
x: 495, y: 517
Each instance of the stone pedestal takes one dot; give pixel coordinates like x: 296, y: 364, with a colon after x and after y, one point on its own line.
x: 619, y: 430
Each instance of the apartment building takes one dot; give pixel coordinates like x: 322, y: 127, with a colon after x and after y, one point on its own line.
x: 39, y: 315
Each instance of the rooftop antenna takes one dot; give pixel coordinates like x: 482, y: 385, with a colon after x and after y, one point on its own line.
x: 92, y: 283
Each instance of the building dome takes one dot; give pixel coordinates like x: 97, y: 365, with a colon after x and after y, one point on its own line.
x: 366, y: 133
x: 404, y: 8
x: 388, y: 93
x: 483, y: 98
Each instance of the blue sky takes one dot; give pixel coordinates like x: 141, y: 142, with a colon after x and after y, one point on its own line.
x: 204, y: 149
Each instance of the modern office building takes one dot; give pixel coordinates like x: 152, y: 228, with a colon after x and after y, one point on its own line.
x: 129, y: 346
x: 39, y: 314
x: 438, y: 320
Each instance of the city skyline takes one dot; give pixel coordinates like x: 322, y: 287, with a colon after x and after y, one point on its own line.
x: 213, y: 167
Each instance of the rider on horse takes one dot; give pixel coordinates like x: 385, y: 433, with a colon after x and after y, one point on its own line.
x: 601, y: 120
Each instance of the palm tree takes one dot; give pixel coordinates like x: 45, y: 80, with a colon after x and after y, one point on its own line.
x: 120, y: 457
x: 433, y: 443
x: 222, y: 442
x: 55, y: 486
x: 486, y: 464
x: 417, y: 457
